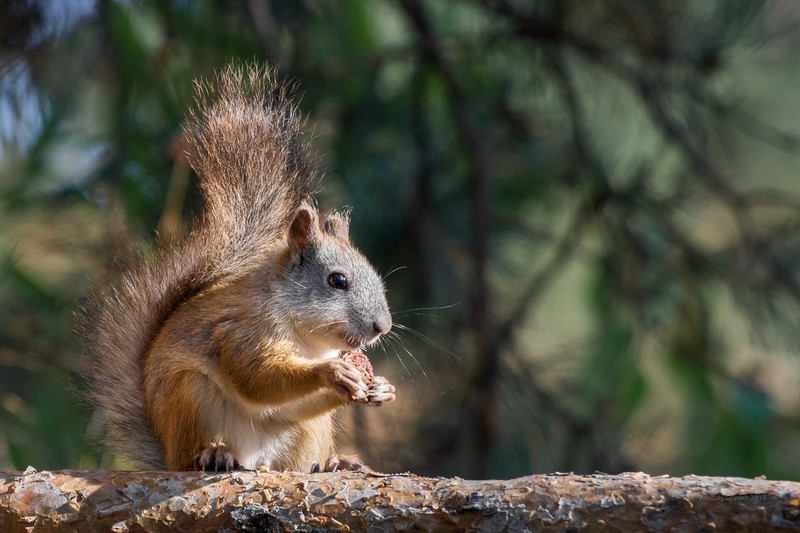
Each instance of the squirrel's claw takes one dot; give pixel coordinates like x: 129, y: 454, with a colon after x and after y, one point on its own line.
x: 379, y: 392
x: 215, y: 458
x: 349, y: 463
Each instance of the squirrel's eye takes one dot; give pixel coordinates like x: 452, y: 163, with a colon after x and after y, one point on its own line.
x: 338, y: 281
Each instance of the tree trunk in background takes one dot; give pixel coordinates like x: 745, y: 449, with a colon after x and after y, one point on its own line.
x: 259, y: 501
x: 482, y: 402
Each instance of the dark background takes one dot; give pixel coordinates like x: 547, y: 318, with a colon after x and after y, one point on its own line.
x: 589, y: 210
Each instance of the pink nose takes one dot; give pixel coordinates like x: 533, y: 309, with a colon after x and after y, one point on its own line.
x: 382, y: 325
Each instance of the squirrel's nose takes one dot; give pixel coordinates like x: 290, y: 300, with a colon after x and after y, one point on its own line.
x: 382, y: 325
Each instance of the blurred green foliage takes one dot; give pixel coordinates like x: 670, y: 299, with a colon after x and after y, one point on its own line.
x: 589, y: 211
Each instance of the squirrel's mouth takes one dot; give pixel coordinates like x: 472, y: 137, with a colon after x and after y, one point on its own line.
x: 351, y: 341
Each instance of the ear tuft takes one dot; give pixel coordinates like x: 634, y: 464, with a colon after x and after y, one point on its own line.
x: 337, y: 225
x: 303, y: 232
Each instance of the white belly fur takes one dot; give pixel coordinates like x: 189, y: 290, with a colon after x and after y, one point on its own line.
x: 258, y: 436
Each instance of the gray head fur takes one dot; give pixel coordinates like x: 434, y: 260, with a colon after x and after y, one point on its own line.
x: 340, y: 297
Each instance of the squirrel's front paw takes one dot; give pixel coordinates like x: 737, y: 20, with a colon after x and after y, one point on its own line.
x: 347, y: 379
x: 379, y: 392
x: 215, y: 458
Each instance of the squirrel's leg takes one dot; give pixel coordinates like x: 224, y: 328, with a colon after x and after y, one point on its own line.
x: 313, y: 405
x: 173, y: 409
x: 279, y: 377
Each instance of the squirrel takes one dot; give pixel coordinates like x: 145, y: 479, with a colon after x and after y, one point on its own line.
x: 219, y: 350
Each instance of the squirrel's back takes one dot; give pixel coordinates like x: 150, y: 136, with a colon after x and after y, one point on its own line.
x: 244, y: 143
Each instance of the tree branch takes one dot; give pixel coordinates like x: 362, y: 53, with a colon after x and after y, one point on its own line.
x: 259, y: 501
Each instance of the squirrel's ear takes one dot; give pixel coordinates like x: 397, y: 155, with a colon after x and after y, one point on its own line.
x: 303, y: 231
x: 337, y: 225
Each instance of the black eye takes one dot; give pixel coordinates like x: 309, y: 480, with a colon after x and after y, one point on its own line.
x: 338, y: 280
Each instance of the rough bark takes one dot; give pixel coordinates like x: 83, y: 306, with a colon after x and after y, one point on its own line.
x: 260, y: 501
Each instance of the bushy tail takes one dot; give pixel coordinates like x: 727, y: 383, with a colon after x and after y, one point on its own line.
x: 251, y: 160
x: 245, y: 145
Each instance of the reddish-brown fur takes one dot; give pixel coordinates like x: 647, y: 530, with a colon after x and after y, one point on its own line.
x: 197, y: 355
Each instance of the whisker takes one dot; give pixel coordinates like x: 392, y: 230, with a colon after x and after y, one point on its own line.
x: 416, y: 361
x: 327, y: 324
x: 392, y: 336
x: 393, y: 271
x: 427, y: 340
x: 297, y: 283
x: 397, y: 354
x: 417, y: 309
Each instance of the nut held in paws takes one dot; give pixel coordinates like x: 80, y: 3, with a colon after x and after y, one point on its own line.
x: 361, y: 362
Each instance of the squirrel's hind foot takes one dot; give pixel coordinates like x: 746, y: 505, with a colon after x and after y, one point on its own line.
x: 349, y: 463
x: 215, y: 458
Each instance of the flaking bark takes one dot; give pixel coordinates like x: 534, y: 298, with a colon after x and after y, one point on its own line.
x: 261, y: 501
